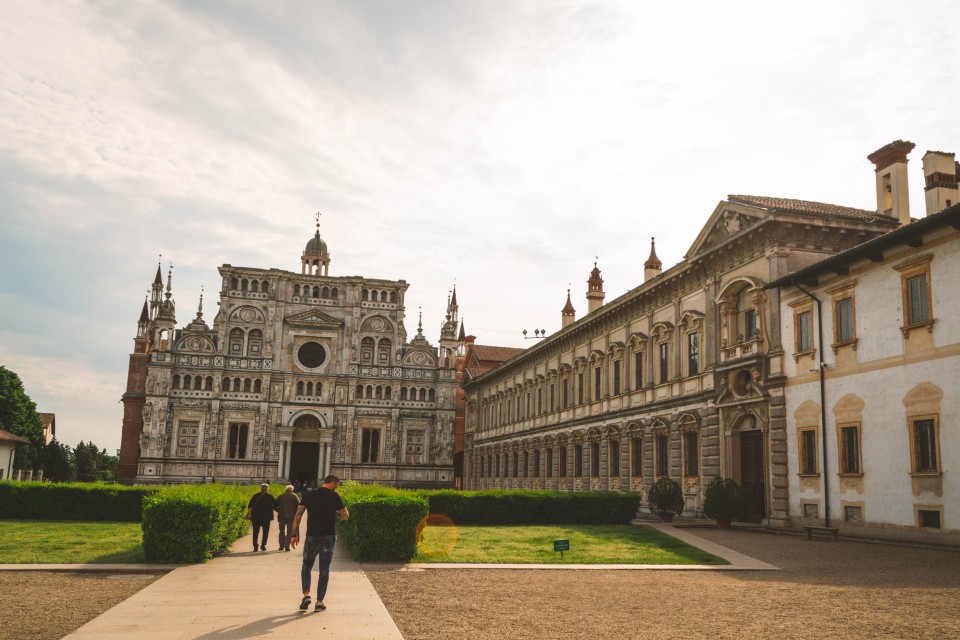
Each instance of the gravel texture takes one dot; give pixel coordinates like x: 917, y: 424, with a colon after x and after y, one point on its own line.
x: 47, y: 605
x: 826, y: 590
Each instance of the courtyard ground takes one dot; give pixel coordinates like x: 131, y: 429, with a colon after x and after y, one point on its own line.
x: 826, y: 590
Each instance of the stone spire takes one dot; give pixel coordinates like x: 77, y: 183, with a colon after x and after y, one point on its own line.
x: 568, y: 313
x: 595, y: 294
x: 652, y: 267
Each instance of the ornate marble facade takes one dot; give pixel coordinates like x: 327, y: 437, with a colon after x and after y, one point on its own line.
x: 301, y: 375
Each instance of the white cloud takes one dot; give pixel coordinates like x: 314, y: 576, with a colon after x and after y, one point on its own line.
x: 502, y: 144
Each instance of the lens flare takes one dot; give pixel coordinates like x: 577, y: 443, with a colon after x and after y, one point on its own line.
x: 436, y: 536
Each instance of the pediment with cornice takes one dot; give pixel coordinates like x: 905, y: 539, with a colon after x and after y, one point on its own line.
x: 727, y: 220
x: 315, y: 319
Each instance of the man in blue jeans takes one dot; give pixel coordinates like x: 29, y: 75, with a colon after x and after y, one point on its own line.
x: 324, y: 506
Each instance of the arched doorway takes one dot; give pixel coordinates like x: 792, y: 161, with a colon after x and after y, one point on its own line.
x: 305, y: 449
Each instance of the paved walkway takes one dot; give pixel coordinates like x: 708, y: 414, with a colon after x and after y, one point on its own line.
x: 248, y: 595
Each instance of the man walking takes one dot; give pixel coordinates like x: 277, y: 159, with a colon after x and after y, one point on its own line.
x: 260, y: 512
x: 287, y: 504
x: 324, y: 506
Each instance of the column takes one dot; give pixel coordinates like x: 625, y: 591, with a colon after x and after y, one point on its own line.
x: 320, y: 464
x: 283, y: 448
x: 286, y: 459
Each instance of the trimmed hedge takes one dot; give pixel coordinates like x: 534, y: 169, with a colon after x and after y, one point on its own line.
x: 384, y: 522
x: 190, y: 523
x: 533, y: 507
x: 72, y: 501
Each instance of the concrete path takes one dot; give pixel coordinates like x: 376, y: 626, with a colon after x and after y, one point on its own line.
x: 248, y: 595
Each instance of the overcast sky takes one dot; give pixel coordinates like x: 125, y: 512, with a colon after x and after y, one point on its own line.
x: 501, y: 145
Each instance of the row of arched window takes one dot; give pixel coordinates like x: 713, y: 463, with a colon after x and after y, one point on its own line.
x: 201, y: 383
x: 308, y: 388
x: 368, y: 295
x: 375, y: 352
x: 374, y: 392
x: 379, y: 392
x: 255, y: 286
x: 316, y: 291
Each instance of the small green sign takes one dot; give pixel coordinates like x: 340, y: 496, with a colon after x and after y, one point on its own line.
x: 561, y: 545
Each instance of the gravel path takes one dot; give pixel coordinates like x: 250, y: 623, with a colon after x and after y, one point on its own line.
x: 47, y: 605
x: 826, y: 590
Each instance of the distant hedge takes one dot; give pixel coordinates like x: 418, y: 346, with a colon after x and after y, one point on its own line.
x: 191, y: 523
x: 533, y: 507
x: 72, y: 501
x: 383, y: 522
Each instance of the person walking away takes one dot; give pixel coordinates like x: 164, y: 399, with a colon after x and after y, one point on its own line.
x: 287, y: 503
x: 323, y: 507
x: 260, y: 510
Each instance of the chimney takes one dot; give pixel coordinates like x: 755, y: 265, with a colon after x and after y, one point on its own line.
x: 940, y: 173
x: 568, y: 313
x: 893, y: 198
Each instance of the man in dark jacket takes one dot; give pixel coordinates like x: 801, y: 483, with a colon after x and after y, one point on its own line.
x: 287, y: 503
x: 260, y: 509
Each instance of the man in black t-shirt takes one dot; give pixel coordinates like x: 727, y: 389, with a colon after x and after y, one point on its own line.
x: 324, y: 506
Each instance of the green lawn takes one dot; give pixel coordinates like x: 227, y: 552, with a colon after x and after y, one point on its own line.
x: 589, y: 544
x: 63, y: 542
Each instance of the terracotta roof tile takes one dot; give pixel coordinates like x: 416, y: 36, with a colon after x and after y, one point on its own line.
x: 495, y: 354
x: 6, y: 436
x: 804, y: 206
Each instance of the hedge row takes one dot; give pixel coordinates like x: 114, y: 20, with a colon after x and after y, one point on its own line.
x: 533, y: 507
x: 190, y: 523
x: 72, y: 501
x: 383, y: 522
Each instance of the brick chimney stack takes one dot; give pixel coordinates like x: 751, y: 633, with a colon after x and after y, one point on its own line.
x: 893, y: 196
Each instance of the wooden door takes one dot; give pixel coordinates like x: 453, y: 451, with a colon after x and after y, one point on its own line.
x: 752, y: 474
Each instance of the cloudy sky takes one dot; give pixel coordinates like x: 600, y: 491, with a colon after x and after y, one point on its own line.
x: 499, y: 145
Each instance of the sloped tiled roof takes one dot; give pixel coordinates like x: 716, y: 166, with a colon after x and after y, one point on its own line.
x: 803, y: 206
x: 495, y: 354
x: 6, y: 436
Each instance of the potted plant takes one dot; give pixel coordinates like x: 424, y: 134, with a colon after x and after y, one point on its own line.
x: 666, y: 499
x: 724, y: 501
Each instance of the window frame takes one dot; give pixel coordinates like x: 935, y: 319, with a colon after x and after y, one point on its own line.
x: 693, y: 353
x: 909, y: 271
x: 691, y: 454
x: 844, y: 456
x: 915, y: 453
x: 803, y: 454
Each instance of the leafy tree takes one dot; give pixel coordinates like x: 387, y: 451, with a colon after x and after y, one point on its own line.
x: 18, y: 415
x: 56, y: 462
x: 85, y: 461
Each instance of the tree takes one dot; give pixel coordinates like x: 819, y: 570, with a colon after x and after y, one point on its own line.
x: 56, y: 462
x: 18, y: 415
x: 85, y: 461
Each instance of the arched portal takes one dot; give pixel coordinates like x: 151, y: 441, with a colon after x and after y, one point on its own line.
x: 305, y: 449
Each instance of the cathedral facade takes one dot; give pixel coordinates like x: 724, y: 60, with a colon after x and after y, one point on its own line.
x: 301, y: 375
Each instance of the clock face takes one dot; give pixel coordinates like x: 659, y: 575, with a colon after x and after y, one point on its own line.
x: 311, y: 355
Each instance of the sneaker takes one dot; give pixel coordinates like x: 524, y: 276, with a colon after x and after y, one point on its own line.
x: 304, y: 603
x: 320, y: 607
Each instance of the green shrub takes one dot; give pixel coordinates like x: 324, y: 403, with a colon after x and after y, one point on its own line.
x: 72, y: 501
x: 724, y: 499
x: 666, y: 496
x: 384, y: 522
x: 190, y: 523
x: 533, y: 507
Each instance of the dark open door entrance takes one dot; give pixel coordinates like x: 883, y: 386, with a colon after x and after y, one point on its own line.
x: 751, y: 472
x: 304, y: 460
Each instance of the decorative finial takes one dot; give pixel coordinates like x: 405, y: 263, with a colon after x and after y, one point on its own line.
x: 200, y: 306
x: 420, y: 323
x: 318, y: 220
x: 169, y: 280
